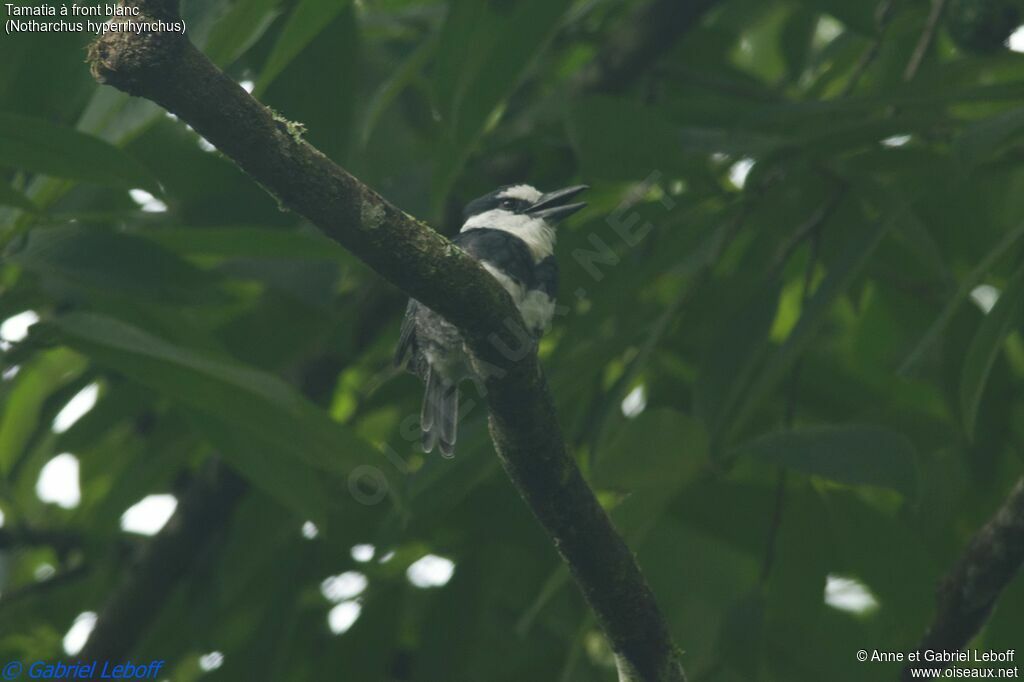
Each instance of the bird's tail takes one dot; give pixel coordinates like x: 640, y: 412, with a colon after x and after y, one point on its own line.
x: 439, y: 417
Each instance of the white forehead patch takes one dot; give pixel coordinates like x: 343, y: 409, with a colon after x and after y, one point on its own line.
x: 524, y: 192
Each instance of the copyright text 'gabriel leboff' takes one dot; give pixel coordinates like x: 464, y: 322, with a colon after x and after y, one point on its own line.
x: 82, y: 670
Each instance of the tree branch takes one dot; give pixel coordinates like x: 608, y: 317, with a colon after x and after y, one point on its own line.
x: 931, y: 27
x: 204, y: 509
x: 883, y: 17
x: 969, y: 592
x: 167, y: 69
x: 812, y: 231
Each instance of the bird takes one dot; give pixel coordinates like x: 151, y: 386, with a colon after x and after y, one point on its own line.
x: 511, y: 231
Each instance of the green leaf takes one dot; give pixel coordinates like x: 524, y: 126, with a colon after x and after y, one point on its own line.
x: 966, y: 287
x: 296, y: 485
x: 35, y: 382
x: 236, y: 31
x: 984, y: 139
x: 981, y: 356
x: 114, y: 262
x: 122, y: 402
x: 857, y: 15
x: 854, y: 256
x: 12, y: 197
x: 852, y: 455
x: 899, y: 567
x: 476, y: 70
x: 34, y: 145
x: 393, y: 86
x: 734, y: 353
x: 658, y: 449
x: 304, y: 23
x: 248, y: 242
x: 259, y: 406
x: 594, y: 124
x: 328, y: 111
x: 654, y: 142
x: 740, y: 638
x: 923, y: 245
x: 651, y: 458
x: 795, y: 40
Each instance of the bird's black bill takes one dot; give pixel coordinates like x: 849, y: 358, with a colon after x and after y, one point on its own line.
x: 552, y: 206
x: 557, y: 213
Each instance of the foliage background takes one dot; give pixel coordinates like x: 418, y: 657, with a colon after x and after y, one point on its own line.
x: 775, y: 288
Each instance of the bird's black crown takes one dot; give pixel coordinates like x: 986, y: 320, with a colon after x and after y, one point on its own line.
x: 494, y: 200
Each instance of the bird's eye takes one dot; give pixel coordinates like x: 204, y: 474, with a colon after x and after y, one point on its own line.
x: 508, y: 203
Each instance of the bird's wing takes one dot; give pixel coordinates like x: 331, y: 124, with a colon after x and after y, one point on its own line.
x: 406, y: 347
x: 538, y: 305
x: 500, y: 249
x: 545, y: 277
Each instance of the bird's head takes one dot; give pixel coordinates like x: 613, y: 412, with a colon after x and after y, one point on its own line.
x: 521, y: 207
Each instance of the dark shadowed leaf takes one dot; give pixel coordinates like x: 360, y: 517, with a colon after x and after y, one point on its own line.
x: 857, y: 15
x: 261, y: 406
x: 649, y: 459
x: 651, y: 142
x: 855, y: 255
x: 12, y: 197
x: 238, y: 29
x: 114, y: 262
x: 294, y: 484
x: 853, y: 455
x: 476, y: 70
x: 604, y: 150
x: 305, y: 21
x: 740, y: 639
x: 984, y: 139
x: 969, y: 282
x: 796, y: 38
x: 406, y: 72
x: 37, y: 146
x: 658, y: 449
x: 981, y: 356
x: 734, y: 353
x: 249, y: 242
x: 21, y: 406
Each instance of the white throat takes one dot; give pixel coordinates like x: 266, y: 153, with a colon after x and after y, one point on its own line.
x: 538, y: 236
